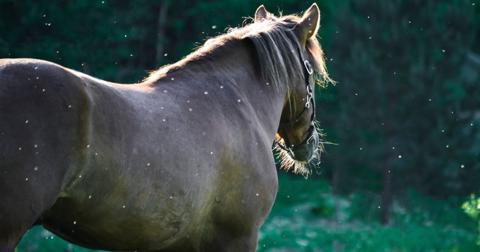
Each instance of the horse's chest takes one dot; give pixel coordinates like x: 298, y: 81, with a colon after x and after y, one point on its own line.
x: 244, y: 195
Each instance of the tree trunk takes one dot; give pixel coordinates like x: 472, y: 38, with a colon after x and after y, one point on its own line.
x: 161, y: 30
x: 388, y: 156
x: 387, y: 197
x: 388, y: 153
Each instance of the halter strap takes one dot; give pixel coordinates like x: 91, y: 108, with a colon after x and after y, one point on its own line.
x: 308, y: 72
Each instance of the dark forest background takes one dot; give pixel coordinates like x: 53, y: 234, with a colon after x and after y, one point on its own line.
x: 403, y: 172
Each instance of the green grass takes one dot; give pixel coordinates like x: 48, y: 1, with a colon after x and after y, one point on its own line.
x: 306, y: 217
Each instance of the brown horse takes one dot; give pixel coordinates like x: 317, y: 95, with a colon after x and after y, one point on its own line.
x: 179, y: 162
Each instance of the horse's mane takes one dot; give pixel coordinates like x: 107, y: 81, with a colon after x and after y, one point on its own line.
x: 277, y: 48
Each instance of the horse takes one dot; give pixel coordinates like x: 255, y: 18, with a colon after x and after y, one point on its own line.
x: 181, y: 161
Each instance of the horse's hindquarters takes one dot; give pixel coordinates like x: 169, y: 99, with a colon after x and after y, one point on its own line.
x: 42, y: 109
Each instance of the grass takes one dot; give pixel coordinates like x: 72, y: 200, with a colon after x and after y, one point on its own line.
x: 306, y: 217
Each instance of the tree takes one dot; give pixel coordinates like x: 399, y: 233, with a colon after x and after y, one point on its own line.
x: 405, y: 104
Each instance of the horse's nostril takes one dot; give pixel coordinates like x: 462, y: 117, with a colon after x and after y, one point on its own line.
x: 305, y: 151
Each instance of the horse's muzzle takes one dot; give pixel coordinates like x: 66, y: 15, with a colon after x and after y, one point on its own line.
x: 305, y: 151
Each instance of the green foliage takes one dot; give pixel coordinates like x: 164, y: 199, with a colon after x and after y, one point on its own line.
x: 472, y: 209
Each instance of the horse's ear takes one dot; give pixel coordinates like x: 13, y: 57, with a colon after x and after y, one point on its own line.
x: 261, y: 13
x: 309, y: 24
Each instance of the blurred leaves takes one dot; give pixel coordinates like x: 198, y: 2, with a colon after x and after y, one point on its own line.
x: 407, y: 96
x: 472, y: 209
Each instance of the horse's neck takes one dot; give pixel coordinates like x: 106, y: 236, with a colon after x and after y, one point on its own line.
x: 236, y: 69
x: 266, y: 100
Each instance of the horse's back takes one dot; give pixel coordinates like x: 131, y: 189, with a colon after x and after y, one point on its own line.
x: 42, y: 109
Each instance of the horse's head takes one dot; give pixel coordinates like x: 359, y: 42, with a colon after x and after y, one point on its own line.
x: 298, y: 140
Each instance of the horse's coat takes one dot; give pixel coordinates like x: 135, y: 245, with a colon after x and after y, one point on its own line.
x: 179, y: 162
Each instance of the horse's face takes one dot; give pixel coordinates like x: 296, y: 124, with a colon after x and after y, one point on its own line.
x: 297, y: 122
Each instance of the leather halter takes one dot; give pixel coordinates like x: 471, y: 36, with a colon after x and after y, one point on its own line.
x: 308, y: 72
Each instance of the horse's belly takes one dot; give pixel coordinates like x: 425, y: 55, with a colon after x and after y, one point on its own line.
x: 102, y: 224
x: 114, y: 206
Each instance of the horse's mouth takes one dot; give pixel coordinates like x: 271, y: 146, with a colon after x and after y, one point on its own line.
x: 305, y: 151
x: 298, y: 157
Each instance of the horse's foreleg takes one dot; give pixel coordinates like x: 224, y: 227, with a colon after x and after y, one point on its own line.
x: 221, y: 240
x: 243, y: 243
x: 11, y: 232
x: 21, y: 205
x: 26, y: 192
x: 6, y: 247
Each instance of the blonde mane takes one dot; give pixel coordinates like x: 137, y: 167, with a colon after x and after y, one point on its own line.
x: 276, y: 46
